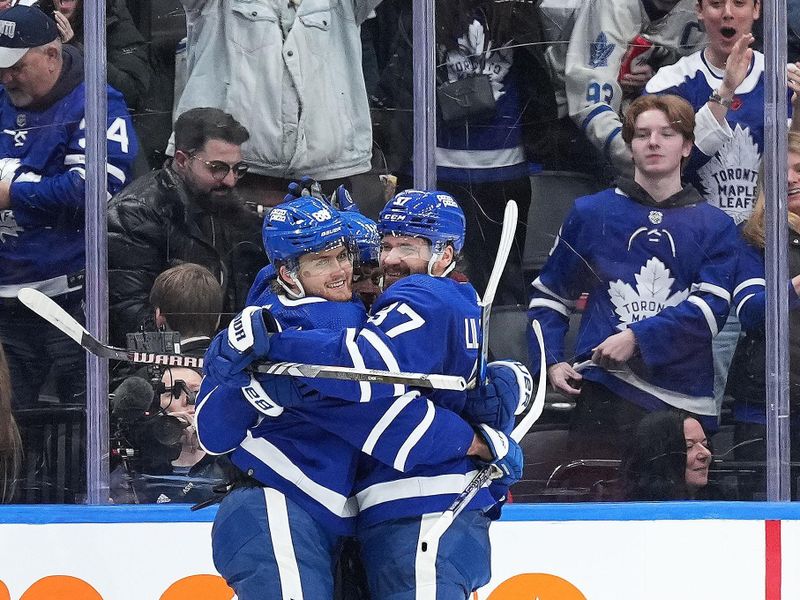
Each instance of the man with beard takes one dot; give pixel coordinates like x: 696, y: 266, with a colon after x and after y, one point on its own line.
x: 188, y: 211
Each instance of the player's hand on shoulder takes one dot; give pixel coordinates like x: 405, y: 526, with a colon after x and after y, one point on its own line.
x: 504, y: 454
x: 244, y: 341
x: 564, y: 379
x: 508, y: 392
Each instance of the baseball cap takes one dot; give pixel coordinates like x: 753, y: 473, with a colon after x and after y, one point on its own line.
x: 23, y: 28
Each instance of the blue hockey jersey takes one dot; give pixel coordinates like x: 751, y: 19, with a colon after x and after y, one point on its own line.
x: 41, y: 237
x: 421, y: 324
x: 664, y: 271
x: 310, y: 452
x: 724, y: 165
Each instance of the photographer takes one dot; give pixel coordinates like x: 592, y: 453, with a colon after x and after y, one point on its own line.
x: 156, y: 442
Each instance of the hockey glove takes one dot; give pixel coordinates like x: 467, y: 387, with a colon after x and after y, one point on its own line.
x: 244, y: 341
x: 270, y: 394
x: 508, y: 393
x: 507, y: 455
x: 307, y: 186
x: 342, y: 200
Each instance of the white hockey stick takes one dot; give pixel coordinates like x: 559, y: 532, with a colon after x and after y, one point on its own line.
x: 46, y: 308
x: 484, y: 476
x: 510, y: 218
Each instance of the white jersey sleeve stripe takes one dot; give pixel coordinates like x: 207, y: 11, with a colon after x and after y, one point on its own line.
x: 75, y: 159
x: 281, y: 537
x: 199, y: 407
x: 413, y: 438
x: 116, y: 172
x: 748, y: 282
x: 537, y: 283
x: 707, y: 313
x: 718, y: 291
x: 388, y: 358
x: 556, y: 306
x: 358, y: 363
x: 397, y: 406
x: 742, y: 302
x: 277, y: 461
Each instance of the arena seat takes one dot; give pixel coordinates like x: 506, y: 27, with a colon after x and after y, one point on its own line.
x: 552, y: 196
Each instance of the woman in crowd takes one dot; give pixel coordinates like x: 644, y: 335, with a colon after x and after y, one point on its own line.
x: 10, y: 441
x: 128, y: 64
x: 668, y: 459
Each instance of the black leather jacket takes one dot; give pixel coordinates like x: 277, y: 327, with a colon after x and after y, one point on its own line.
x: 154, y: 225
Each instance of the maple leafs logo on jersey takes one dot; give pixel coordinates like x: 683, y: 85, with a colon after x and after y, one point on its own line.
x: 653, y: 293
x: 729, y: 178
x: 599, y: 51
x: 8, y: 225
x: 475, y: 56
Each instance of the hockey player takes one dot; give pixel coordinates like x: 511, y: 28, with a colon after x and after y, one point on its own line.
x: 303, y: 463
x: 422, y: 235
x: 605, y: 34
x: 366, y: 247
x: 658, y: 263
x: 42, y: 195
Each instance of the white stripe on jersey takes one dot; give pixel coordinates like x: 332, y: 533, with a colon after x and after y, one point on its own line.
x: 276, y: 460
x: 386, y: 355
x: 716, y: 290
x: 707, y: 313
x: 358, y: 363
x: 552, y: 304
x: 748, y: 282
x: 412, y: 487
x: 281, y: 537
x: 425, y: 562
x: 741, y: 304
x: 537, y: 283
x: 413, y: 438
x: 398, y: 405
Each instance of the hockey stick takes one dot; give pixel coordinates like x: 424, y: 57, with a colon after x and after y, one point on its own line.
x: 46, y: 308
x: 503, y: 250
x: 485, y: 475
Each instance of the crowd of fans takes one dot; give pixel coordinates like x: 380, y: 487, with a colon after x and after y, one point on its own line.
x: 269, y: 92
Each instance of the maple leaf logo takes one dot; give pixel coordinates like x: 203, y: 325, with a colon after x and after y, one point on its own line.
x: 599, y: 51
x: 729, y: 178
x: 8, y: 225
x: 475, y: 56
x: 652, y: 294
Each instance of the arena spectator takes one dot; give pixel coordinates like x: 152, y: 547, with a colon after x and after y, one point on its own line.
x: 188, y: 299
x: 42, y: 195
x: 668, y: 458
x: 747, y: 379
x: 293, y: 71
x: 128, y: 66
x: 10, y: 441
x: 491, y: 51
x: 658, y: 263
x: 188, y: 211
x: 614, y: 48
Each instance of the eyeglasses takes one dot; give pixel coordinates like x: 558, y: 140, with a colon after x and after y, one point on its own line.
x: 219, y: 169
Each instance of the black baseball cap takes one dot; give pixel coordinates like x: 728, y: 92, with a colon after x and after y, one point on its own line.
x: 23, y: 28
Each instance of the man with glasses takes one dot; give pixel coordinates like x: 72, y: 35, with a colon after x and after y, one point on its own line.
x: 188, y: 211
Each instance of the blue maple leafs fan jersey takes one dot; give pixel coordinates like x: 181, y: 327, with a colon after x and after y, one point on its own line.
x: 42, y: 236
x: 665, y: 272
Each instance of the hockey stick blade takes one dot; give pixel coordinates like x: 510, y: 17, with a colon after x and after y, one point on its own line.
x: 46, y: 308
x: 484, y: 476
x: 510, y: 218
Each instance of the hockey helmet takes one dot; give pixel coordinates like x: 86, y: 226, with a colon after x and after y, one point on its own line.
x: 432, y: 215
x: 364, y: 236
x: 300, y: 226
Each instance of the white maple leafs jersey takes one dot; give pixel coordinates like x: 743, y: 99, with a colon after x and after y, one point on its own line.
x: 727, y: 179
x: 665, y: 273
x: 599, y: 40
